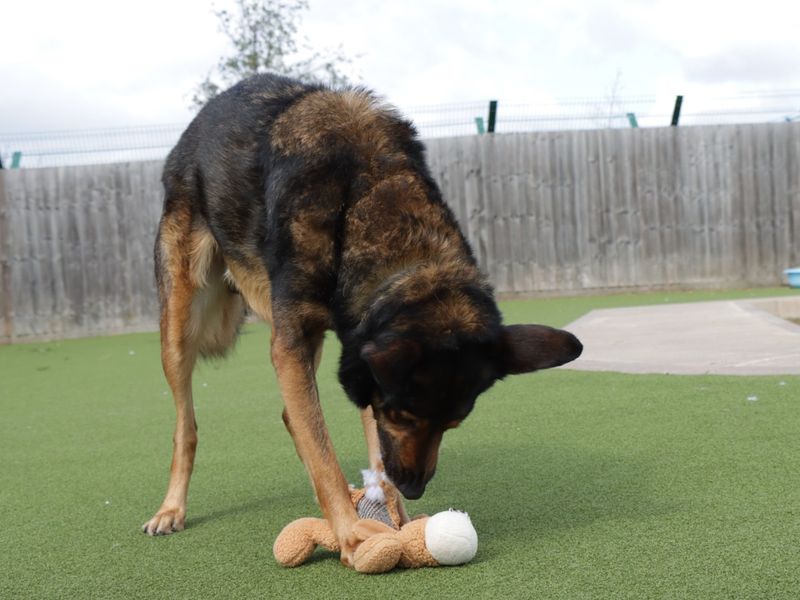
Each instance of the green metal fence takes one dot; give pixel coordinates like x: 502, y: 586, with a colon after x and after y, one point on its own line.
x: 124, y: 144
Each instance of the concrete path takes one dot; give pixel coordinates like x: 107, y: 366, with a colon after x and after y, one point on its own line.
x: 742, y: 337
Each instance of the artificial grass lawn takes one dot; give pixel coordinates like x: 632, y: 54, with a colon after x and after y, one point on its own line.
x: 580, y: 485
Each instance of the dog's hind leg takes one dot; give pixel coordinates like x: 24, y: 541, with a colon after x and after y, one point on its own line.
x: 199, y: 315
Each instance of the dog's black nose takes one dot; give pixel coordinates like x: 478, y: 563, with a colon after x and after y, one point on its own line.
x: 412, y: 490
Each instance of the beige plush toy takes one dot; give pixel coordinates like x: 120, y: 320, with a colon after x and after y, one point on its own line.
x: 446, y: 538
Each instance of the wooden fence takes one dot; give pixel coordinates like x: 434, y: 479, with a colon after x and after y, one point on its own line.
x: 76, y: 249
x: 628, y: 208
x: 545, y: 212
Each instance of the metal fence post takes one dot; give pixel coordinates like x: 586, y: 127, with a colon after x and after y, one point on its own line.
x: 492, y: 115
x: 676, y: 113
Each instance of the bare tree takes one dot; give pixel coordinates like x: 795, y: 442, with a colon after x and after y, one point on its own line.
x: 613, y: 99
x: 607, y: 112
x: 265, y: 38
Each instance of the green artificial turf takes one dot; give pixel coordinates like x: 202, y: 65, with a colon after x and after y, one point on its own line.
x: 580, y: 485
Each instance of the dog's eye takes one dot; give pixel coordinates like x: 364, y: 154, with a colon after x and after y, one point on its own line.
x: 402, y: 417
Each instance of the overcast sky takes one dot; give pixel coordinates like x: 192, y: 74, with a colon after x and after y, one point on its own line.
x: 99, y: 63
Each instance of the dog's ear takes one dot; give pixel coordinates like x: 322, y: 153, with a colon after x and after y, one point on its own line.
x: 526, y: 348
x: 390, y: 362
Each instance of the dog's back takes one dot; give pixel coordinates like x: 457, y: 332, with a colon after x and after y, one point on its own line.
x: 219, y: 168
x: 323, y: 193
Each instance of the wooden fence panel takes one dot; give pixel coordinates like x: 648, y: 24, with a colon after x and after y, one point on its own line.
x: 79, y: 249
x: 545, y: 212
x: 674, y: 207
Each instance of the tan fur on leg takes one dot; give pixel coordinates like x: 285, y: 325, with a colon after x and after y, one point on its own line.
x: 199, y: 315
x: 375, y: 460
x: 303, y: 417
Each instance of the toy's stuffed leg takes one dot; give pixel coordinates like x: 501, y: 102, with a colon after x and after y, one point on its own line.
x: 380, y: 550
x: 298, y: 540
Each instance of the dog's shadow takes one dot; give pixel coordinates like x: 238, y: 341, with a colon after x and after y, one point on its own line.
x: 253, y: 506
x: 524, y: 492
x: 543, y: 489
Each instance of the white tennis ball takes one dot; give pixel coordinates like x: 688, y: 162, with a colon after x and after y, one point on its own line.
x: 450, y: 537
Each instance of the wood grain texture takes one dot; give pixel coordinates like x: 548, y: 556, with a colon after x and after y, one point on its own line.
x: 79, y: 250
x: 629, y: 208
x: 560, y: 212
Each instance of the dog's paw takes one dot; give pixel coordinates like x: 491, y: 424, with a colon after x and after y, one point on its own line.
x: 165, y: 521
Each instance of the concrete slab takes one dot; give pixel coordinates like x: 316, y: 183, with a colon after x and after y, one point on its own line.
x: 727, y: 338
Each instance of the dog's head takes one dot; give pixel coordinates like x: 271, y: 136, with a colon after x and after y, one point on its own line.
x: 425, y: 388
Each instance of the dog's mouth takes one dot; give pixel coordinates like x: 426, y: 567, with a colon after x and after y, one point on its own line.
x: 409, y: 454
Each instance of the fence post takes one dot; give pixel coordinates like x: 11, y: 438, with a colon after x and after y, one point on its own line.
x: 632, y: 120
x: 16, y: 158
x: 479, y: 125
x: 6, y: 295
x: 676, y: 113
x: 492, y: 115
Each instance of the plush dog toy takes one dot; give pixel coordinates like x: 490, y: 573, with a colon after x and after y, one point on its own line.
x: 446, y: 538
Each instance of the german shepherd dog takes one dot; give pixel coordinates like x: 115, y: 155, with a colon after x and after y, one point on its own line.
x: 314, y: 208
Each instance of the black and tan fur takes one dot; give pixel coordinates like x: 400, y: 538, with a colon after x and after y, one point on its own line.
x: 315, y: 208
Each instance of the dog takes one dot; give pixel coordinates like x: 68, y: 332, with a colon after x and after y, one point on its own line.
x: 314, y: 208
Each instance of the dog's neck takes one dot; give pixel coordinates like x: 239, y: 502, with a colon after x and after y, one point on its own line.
x: 441, y: 305
x: 444, y: 297
x: 401, y: 239
x: 406, y: 270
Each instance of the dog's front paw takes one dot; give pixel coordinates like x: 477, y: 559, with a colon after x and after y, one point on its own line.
x: 347, y: 549
x: 165, y: 521
x: 346, y: 554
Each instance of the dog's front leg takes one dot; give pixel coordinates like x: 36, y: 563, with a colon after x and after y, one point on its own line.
x: 294, y: 363
x: 376, y: 461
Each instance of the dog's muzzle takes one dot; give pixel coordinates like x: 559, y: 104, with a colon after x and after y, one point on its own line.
x: 411, y: 485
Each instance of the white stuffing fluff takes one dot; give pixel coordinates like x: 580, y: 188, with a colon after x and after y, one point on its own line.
x: 372, y: 485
